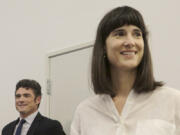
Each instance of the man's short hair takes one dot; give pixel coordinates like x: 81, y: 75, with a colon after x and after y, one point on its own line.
x: 30, y: 84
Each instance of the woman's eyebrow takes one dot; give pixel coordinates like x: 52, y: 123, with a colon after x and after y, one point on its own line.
x: 137, y: 30
x: 117, y: 30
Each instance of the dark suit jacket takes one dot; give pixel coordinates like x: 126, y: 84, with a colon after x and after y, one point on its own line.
x: 40, y: 126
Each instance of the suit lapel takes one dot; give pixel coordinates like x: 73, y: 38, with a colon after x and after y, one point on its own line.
x: 34, y: 124
x: 12, y: 127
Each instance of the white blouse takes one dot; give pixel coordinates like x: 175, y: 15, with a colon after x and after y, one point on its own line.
x: 153, y: 113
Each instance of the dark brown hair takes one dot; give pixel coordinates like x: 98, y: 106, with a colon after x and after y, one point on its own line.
x: 100, y: 68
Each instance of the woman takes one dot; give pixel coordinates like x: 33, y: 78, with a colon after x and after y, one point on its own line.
x: 128, y: 100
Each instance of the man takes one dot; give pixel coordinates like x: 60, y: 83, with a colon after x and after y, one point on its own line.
x: 31, y: 122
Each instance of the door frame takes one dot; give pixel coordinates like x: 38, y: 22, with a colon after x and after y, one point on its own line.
x: 53, y: 54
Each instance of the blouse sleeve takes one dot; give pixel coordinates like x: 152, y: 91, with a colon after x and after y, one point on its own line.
x: 75, y: 125
x: 177, y: 115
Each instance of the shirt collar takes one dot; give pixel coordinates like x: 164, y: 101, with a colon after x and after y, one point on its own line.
x: 31, y: 117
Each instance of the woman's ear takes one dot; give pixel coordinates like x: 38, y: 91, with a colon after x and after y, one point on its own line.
x: 104, y: 49
x: 104, y: 52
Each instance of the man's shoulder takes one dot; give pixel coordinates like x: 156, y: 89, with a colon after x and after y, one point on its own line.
x: 46, y: 120
x: 47, y: 125
x: 9, y: 126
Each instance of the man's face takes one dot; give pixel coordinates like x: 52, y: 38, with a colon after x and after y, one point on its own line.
x: 26, y: 103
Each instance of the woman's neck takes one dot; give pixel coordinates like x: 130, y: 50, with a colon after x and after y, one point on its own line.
x: 123, y: 81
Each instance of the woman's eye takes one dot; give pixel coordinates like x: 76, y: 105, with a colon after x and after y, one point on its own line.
x: 138, y: 34
x: 120, y: 33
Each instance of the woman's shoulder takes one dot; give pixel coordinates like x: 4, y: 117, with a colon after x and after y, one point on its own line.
x: 167, y: 91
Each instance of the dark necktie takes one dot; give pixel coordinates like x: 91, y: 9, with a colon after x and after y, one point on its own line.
x: 19, y: 128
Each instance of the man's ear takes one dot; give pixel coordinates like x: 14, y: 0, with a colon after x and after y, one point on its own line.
x: 38, y: 99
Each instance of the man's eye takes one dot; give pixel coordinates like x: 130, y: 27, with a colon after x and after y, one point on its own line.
x: 27, y: 95
x: 17, y: 96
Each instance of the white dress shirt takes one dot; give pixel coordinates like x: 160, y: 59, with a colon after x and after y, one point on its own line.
x: 153, y: 113
x: 27, y: 124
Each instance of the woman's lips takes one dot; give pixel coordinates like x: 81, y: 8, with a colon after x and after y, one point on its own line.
x: 128, y: 52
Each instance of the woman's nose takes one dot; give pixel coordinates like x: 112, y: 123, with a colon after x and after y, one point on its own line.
x: 129, y: 41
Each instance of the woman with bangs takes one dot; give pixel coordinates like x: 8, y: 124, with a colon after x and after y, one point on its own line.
x: 128, y: 100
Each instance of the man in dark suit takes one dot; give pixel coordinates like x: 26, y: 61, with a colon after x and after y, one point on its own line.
x: 31, y: 122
